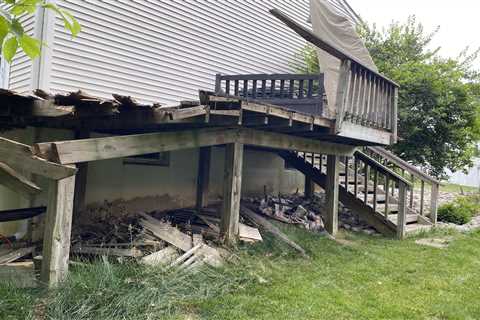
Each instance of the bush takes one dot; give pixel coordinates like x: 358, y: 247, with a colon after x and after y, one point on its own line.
x: 461, y: 210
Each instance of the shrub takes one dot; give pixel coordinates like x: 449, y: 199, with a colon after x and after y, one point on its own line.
x: 454, y: 213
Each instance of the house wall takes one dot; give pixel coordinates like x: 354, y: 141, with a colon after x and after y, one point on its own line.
x: 159, y: 51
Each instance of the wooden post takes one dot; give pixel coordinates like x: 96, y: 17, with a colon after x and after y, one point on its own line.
x: 402, y: 210
x: 232, y: 191
x: 434, y: 203
x: 81, y: 178
x: 332, y: 187
x: 309, y: 187
x: 58, y: 224
x: 203, y: 178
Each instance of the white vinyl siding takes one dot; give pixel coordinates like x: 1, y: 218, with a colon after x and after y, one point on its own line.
x: 165, y: 50
x: 20, y: 71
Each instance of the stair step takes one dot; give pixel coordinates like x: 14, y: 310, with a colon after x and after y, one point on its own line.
x: 411, y: 218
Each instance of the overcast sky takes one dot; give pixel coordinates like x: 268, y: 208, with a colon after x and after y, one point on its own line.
x: 459, y: 20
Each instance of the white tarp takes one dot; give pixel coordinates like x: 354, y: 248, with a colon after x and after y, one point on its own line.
x: 335, y: 29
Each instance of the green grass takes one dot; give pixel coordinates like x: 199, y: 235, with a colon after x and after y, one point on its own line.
x: 451, y: 187
x: 366, y: 278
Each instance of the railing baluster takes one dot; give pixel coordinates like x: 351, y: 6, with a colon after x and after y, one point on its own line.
x: 402, y: 210
x: 433, y: 203
x: 227, y: 86
x: 352, y: 93
x: 366, y: 89
x: 282, y: 88
x: 300, y: 89
x: 291, y: 90
x: 254, y: 89
x: 245, y: 89
x: 272, y: 88
x: 365, y: 182
x: 310, y: 88
x: 387, y: 195
x: 412, y: 179
x: 370, y: 103
x: 422, y: 194
x: 236, y: 88
x: 355, y: 177
x: 321, y: 162
x: 264, y: 88
x: 375, y: 186
x: 346, y: 173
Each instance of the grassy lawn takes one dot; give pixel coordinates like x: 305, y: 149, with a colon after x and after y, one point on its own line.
x: 451, y: 187
x: 361, y: 278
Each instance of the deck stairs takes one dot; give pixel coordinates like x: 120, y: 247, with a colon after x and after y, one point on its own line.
x: 373, y: 183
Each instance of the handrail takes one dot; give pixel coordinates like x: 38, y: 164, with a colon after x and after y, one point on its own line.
x: 381, y: 168
x: 322, y: 44
x: 399, y: 162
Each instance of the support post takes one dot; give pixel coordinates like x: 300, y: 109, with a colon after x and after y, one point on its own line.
x: 332, y: 188
x: 232, y: 191
x: 402, y: 210
x: 58, y: 225
x: 309, y: 187
x: 203, y: 177
x: 81, y: 178
x: 434, y: 203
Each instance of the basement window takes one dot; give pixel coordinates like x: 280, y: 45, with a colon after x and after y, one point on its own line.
x: 161, y: 159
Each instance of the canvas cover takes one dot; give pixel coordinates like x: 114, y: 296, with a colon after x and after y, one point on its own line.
x: 335, y: 29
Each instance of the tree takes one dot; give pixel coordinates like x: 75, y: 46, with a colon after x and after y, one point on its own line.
x: 12, y: 33
x: 439, y: 98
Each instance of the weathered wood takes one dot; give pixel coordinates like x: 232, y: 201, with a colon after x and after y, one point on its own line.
x: 203, y: 177
x: 81, y: 178
x: 58, y: 224
x: 361, y: 132
x: 248, y: 234
x: 394, y: 116
x: 133, y: 252
x: 15, y: 255
x: 288, y: 142
x: 17, y: 182
x: 433, y: 203
x: 166, y: 232
x: 74, y: 151
x: 342, y: 93
x: 309, y: 187
x: 402, y: 210
x: 161, y: 257
x: 331, y: 192
x: 232, y: 192
x: 267, y: 226
x: 21, y: 156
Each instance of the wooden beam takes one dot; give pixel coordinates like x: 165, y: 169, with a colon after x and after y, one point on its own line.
x: 58, y: 224
x: 232, y: 191
x: 359, y: 132
x: 21, y: 156
x: 81, y: 178
x: 402, y: 210
x: 331, y: 190
x: 74, y: 151
x: 309, y: 187
x: 203, y: 177
x: 289, y: 142
x: 17, y: 182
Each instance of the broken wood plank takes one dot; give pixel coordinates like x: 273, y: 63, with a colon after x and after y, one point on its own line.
x: 249, y: 234
x: 21, y: 156
x: 185, y: 256
x: 17, y: 182
x: 162, y: 257
x: 15, y: 255
x: 133, y: 252
x: 261, y: 221
x: 166, y: 232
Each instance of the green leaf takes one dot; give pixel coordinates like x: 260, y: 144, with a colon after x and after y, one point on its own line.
x: 71, y: 23
x: 17, y: 28
x: 30, y: 46
x: 10, y: 48
x: 4, y: 28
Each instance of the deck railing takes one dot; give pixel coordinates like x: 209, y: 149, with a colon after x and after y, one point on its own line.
x: 299, y: 92
x: 364, y: 96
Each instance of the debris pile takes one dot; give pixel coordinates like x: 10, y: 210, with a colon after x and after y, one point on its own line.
x: 308, y: 213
